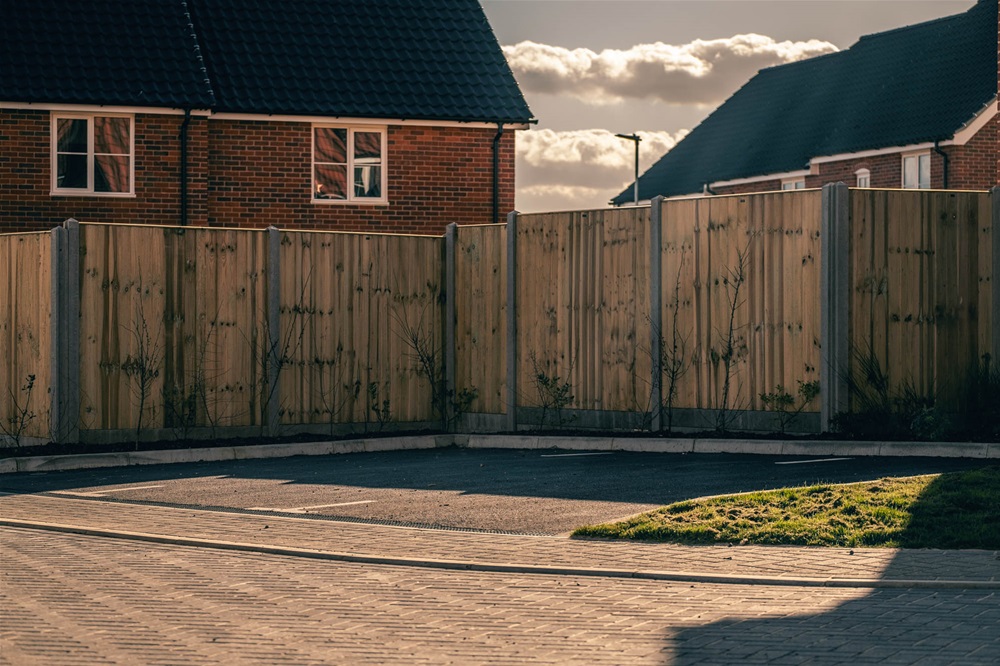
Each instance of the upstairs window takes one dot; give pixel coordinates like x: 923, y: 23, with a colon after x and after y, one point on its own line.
x: 917, y: 171
x: 797, y: 184
x: 864, y: 177
x: 348, y: 165
x: 92, y: 154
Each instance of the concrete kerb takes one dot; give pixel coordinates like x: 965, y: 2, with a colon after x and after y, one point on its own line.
x: 477, y: 441
x: 500, y: 567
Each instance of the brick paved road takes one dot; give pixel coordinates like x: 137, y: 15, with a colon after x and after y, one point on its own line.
x: 69, y: 599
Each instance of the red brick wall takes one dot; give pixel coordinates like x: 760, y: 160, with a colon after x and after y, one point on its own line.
x: 972, y: 166
x: 255, y: 174
x: 25, y: 175
x: 436, y: 176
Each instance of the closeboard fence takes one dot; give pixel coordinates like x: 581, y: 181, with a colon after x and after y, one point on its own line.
x: 682, y: 314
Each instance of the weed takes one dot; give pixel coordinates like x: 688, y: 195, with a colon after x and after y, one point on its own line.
x: 783, y: 402
x: 733, y: 282
x: 673, y: 359
x: 14, y: 426
x: 142, y: 365
x: 380, y: 409
x: 554, y: 394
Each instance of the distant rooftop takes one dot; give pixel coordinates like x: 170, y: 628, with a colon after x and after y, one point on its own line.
x: 910, y: 85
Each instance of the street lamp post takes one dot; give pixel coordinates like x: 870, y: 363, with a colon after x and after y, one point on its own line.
x: 635, y: 138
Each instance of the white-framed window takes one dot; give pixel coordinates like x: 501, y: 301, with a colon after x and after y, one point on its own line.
x: 348, y: 164
x: 794, y: 184
x: 93, y: 154
x: 864, y: 177
x: 917, y: 171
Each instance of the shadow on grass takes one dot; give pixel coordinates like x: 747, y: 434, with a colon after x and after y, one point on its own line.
x: 900, y: 626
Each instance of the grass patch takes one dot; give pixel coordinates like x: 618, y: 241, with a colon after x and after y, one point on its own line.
x: 955, y: 510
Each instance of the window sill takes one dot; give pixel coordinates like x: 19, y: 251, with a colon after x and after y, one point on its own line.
x: 351, y: 202
x: 87, y: 195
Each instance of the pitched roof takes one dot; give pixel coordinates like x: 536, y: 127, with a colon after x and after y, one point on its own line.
x: 432, y: 59
x: 101, y: 52
x: 906, y: 86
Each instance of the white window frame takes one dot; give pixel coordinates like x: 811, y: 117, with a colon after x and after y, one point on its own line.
x: 55, y: 117
x: 350, y: 199
x: 864, y: 177
x: 902, y: 169
x: 793, y: 184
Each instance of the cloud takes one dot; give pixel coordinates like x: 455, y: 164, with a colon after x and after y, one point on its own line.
x: 699, y: 72
x: 561, y: 170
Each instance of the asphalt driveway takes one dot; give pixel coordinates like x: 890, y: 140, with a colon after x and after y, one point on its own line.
x: 536, y: 491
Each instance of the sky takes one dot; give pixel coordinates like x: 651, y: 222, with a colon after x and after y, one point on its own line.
x: 592, y: 68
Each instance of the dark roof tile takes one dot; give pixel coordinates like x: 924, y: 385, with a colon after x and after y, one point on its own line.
x: 418, y: 59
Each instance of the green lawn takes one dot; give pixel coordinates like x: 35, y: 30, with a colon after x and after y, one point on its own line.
x: 956, y: 510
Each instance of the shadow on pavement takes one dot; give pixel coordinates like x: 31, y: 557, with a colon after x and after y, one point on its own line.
x: 898, y: 626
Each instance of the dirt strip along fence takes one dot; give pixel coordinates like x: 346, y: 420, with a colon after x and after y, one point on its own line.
x: 683, y: 314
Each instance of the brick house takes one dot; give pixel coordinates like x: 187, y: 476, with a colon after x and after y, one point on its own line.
x: 914, y: 107
x: 312, y: 114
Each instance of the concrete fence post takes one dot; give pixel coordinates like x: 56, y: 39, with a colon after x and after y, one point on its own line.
x: 995, y: 279
x: 512, y: 321
x: 64, y: 321
x: 834, y: 302
x: 450, y: 313
x: 656, y: 312
x: 274, y: 352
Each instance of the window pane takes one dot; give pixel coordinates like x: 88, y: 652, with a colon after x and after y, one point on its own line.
x: 367, y: 147
x: 72, y: 135
x: 331, y: 182
x: 925, y: 171
x: 72, y: 171
x: 909, y: 172
x: 111, y: 173
x: 368, y: 181
x: 111, y: 135
x: 331, y: 145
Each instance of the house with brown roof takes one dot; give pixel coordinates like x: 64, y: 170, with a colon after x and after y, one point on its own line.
x: 914, y: 107
x: 313, y: 114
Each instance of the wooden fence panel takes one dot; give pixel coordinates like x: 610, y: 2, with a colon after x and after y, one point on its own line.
x: 357, y: 312
x: 186, y: 304
x: 481, y: 315
x: 25, y: 338
x: 122, y: 337
x: 740, y: 282
x: 920, y: 263
x: 217, y: 337
x: 583, y: 306
x: 987, y: 327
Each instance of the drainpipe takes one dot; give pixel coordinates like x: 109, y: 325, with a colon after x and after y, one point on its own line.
x: 705, y: 189
x: 184, y: 170
x: 496, y: 172
x: 944, y: 156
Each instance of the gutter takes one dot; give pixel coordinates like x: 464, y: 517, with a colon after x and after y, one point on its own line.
x: 944, y: 156
x: 184, y: 170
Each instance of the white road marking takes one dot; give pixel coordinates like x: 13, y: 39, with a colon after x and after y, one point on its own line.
x: 306, y: 509
x: 101, y: 493
x: 806, y: 462
x: 571, y: 455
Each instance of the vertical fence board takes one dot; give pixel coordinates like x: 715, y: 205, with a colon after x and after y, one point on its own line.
x: 25, y: 344
x: 481, y: 301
